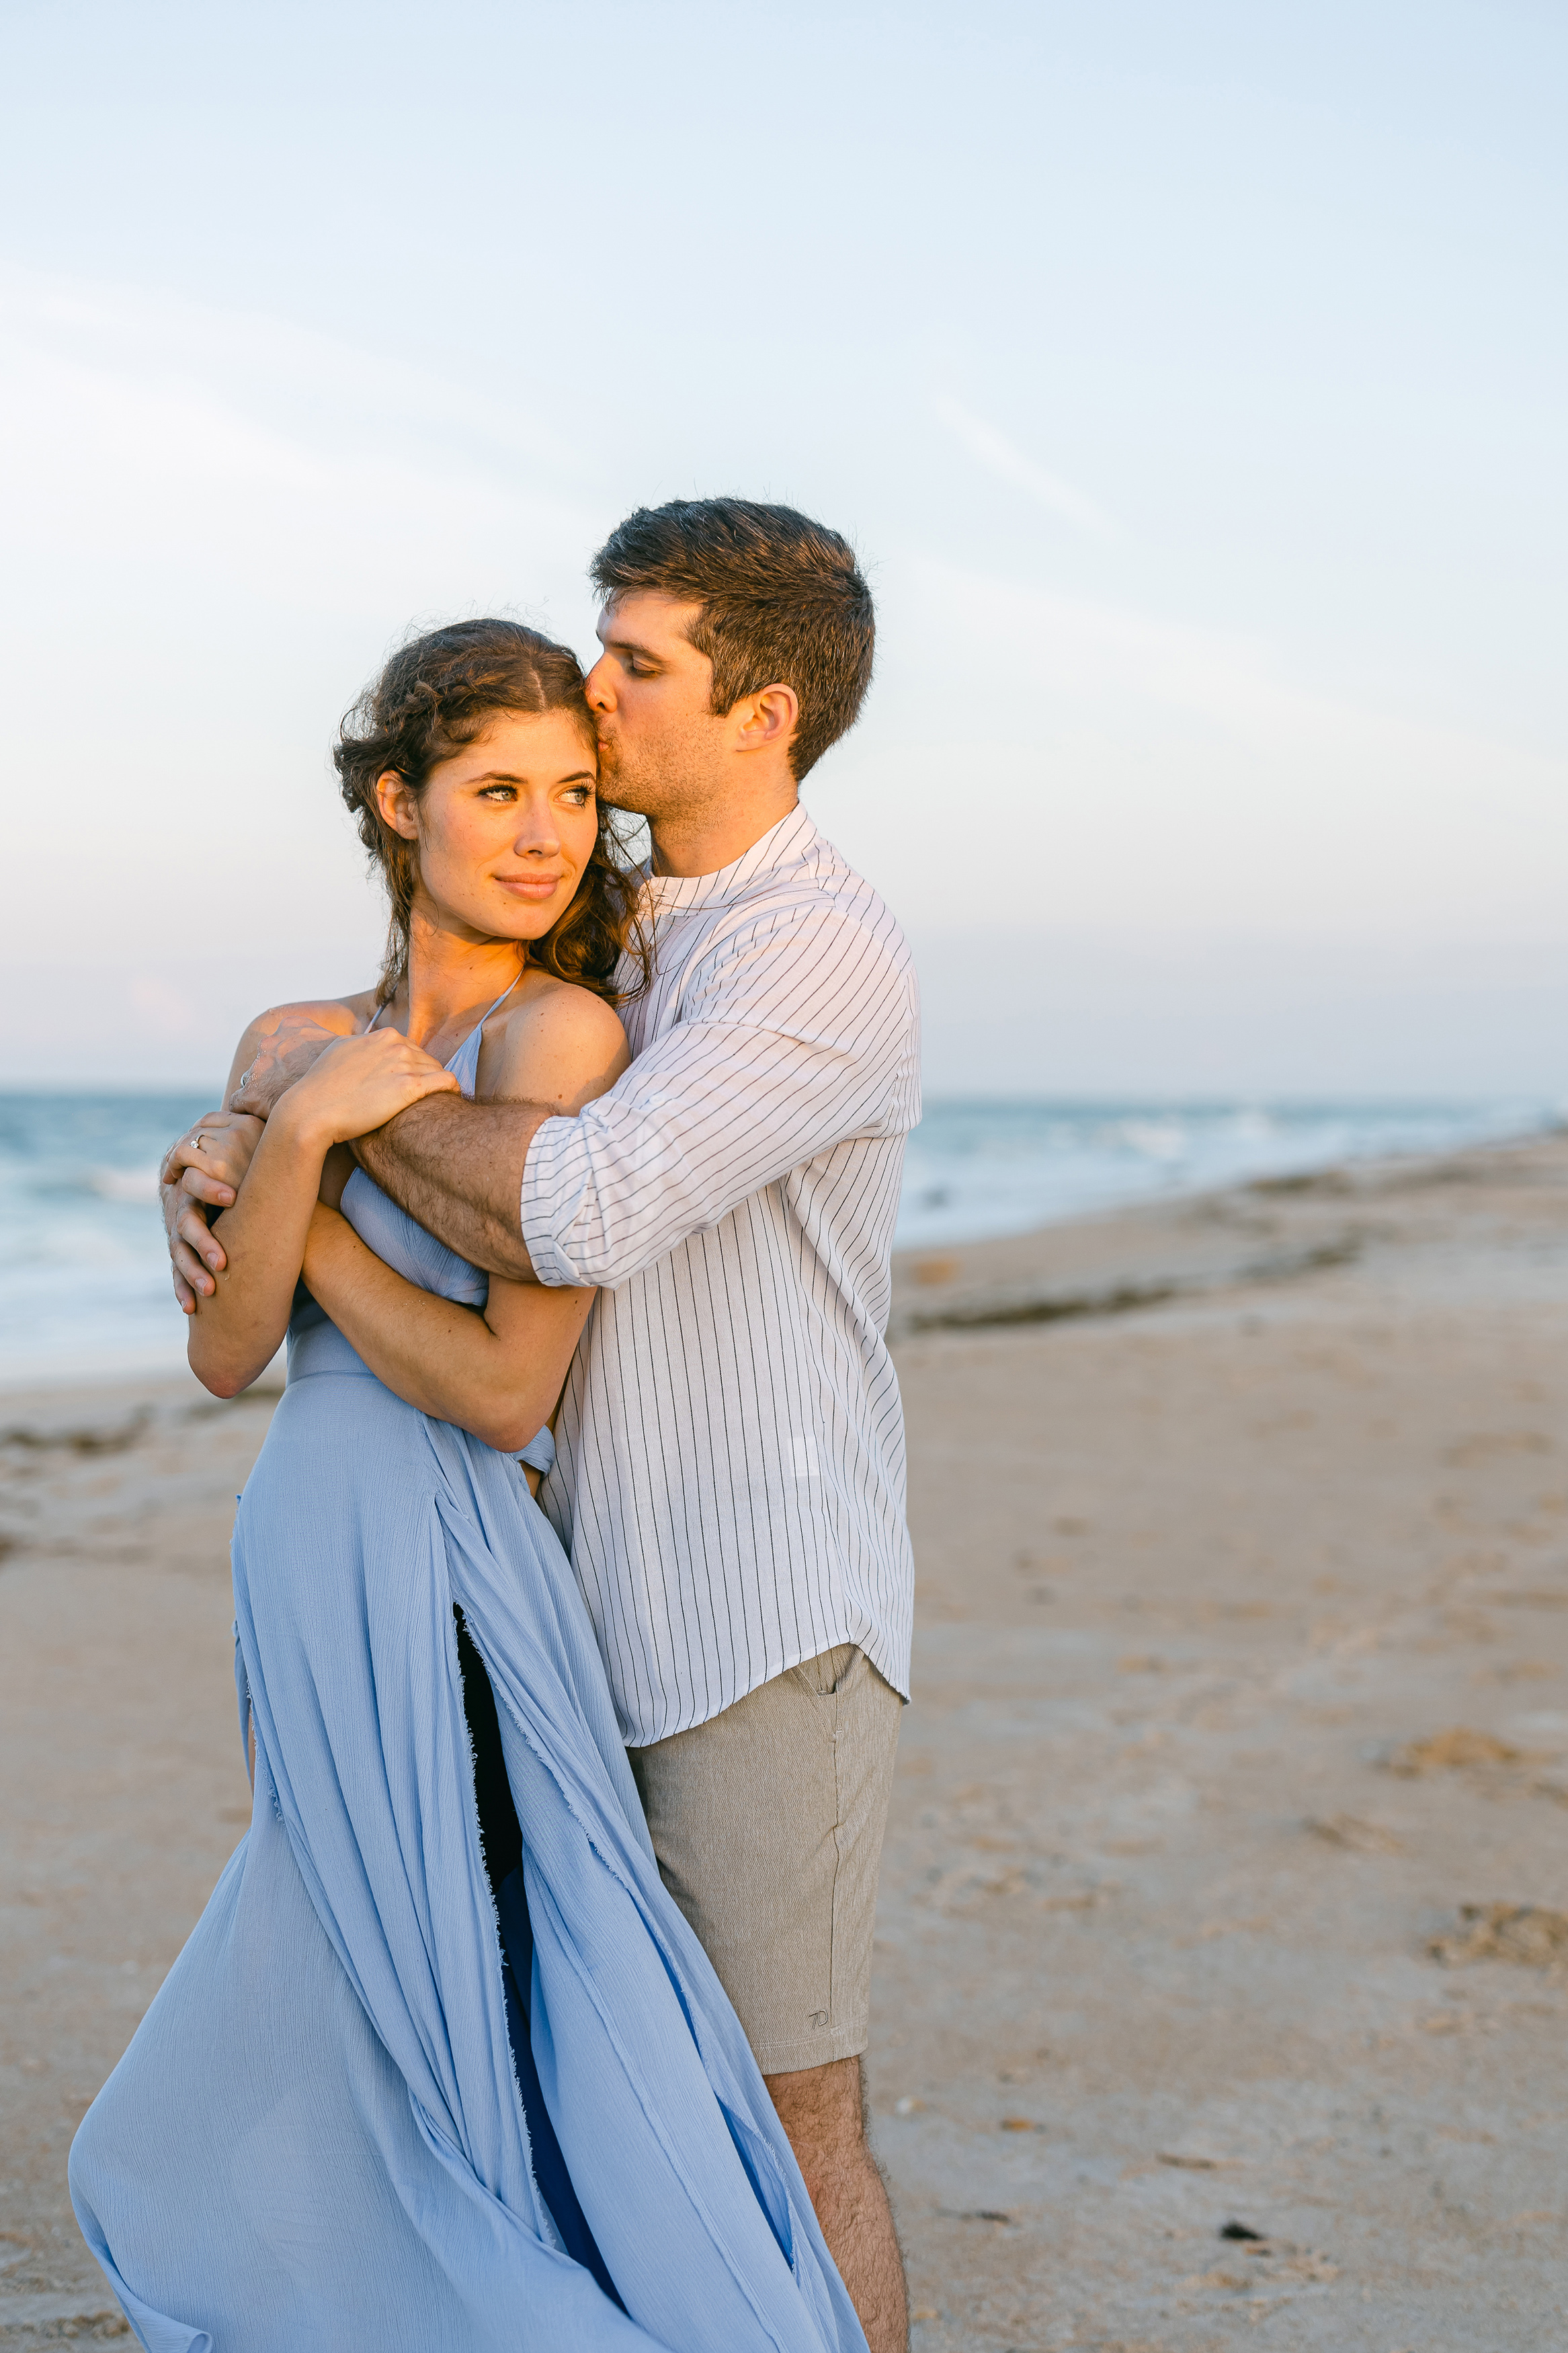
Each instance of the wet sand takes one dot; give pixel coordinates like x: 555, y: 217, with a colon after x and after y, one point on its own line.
x: 1242, y: 1669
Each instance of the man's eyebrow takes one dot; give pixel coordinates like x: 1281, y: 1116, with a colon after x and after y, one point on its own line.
x: 630, y: 646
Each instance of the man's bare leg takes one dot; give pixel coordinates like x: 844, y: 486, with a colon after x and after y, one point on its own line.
x: 823, y: 2111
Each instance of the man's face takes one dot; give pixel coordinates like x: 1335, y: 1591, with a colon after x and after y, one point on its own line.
x: 661, y: 749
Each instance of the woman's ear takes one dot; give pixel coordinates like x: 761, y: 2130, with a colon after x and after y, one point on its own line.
x: 397, y: 804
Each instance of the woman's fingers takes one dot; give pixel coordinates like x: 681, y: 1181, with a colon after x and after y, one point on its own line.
x: 407, y: 1081
x: 225, y: 1153
x: 220, y: 1146
x: 179, y: 1156
x: 361, y: 1082
x: 204, y: 1169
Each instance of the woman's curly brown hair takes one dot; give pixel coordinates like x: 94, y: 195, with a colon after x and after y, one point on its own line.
x: 436, y: 694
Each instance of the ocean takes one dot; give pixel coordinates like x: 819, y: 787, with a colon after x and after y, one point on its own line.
x: 84, y: 1284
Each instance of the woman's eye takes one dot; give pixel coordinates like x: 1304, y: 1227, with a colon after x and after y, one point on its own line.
x: 498, y: 793
x: 580, y: 795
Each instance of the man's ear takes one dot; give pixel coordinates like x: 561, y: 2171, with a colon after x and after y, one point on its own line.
x: 397, y: 804
x: 767, y: 720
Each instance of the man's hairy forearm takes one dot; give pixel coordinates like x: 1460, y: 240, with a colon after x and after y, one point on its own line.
x: 456, y: 1167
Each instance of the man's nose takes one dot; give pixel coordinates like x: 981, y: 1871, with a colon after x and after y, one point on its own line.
x: 597, y: 687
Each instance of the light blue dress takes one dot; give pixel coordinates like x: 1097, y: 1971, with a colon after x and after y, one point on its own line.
x: 315, y: 2142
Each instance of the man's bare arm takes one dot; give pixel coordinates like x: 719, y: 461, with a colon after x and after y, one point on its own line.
x: 456, y: 1167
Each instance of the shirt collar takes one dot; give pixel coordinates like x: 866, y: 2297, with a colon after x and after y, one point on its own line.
x: 778, y: 846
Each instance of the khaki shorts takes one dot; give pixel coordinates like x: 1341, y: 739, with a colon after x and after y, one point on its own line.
x: 767, y: 1822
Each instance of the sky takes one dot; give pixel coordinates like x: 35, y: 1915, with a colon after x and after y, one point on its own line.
x: 1189, y: 378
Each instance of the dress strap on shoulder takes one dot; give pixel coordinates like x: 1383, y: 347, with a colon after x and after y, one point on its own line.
x: 500, y: 1000
x: 471, y: 1043
x: 464, y: 1062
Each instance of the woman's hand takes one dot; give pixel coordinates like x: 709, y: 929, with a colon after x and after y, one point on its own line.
x: 205, y: 1166
x: 357, y: 1085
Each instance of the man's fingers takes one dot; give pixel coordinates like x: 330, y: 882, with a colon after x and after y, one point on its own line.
x: 169, y: 1204
x: 283, y: 1057
x: 192, y: 1228
x: 189, y: 1270
x: 184, y: 1297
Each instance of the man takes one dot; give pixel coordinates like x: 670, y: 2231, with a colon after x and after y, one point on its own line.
x: 729, y: 1477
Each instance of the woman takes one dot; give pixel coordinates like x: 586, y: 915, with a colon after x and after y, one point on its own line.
x: 442, y: 2065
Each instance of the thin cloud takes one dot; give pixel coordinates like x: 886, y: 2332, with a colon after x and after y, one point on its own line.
x: 998, y: 455
x: 250, y: 392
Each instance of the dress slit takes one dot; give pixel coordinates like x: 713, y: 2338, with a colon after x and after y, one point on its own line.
x: 500, y: 1837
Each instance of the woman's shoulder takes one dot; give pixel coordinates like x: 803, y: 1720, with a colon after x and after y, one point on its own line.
x: 557, y: 1043
x: 344, y: 1014
x: 307, y: 1018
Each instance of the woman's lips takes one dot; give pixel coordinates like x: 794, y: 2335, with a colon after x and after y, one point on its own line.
x: 530, y: 886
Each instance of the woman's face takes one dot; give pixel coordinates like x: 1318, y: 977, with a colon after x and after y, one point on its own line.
x: 505, y: 828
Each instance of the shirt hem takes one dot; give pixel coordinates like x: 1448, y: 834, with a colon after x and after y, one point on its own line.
x: 881, y: 1648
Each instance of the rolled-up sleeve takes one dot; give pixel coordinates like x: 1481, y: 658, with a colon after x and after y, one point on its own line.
x: 796, y: 1032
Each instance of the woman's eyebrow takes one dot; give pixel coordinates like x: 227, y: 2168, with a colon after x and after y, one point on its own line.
x: 506, y: 776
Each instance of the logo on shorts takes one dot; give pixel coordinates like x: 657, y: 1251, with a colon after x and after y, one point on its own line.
x: 819, y: 2018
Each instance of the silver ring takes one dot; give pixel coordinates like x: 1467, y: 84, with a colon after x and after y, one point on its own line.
x: 200, y: 1141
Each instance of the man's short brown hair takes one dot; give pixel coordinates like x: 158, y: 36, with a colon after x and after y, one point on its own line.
x: 782, y: 603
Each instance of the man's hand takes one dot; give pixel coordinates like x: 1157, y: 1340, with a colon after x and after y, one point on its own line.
x: 287, y: 1050
x: 203, y: 1167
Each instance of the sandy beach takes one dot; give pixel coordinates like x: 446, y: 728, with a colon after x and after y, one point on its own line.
x: 1222, y: 1945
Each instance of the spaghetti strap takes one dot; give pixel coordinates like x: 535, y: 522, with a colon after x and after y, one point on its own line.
x: 480, y: 1024
x: 500, y: 1000
x: 464, y: 1062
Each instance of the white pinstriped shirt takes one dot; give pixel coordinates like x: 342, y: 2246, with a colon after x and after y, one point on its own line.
x: 730, y: 1466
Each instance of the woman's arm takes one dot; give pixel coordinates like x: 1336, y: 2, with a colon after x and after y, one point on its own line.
x: 357, y: 1085
x: 498, y: 1374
